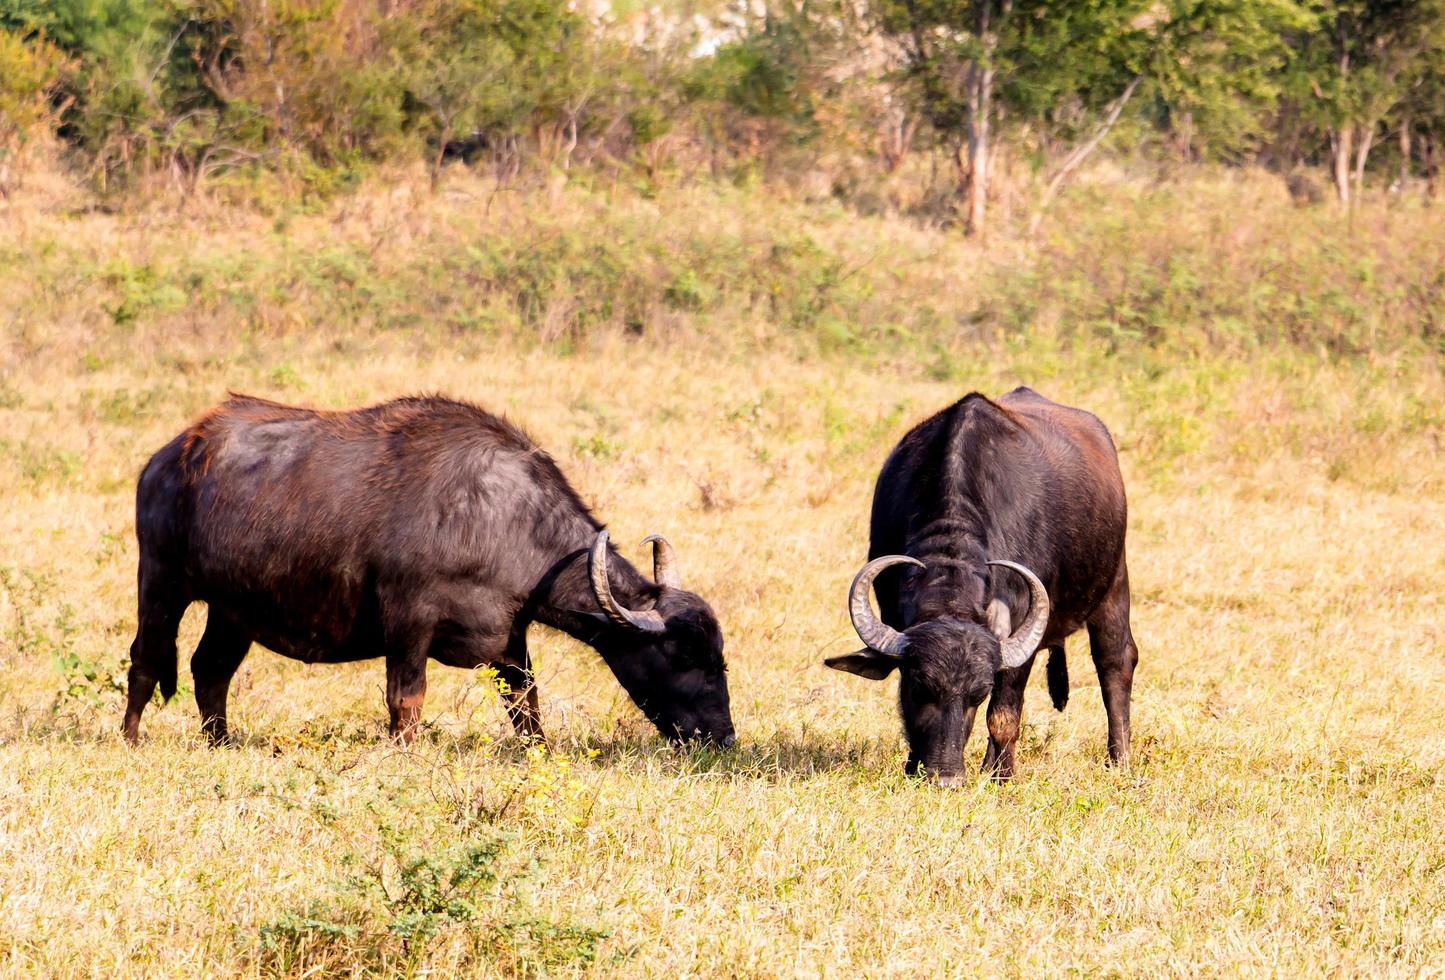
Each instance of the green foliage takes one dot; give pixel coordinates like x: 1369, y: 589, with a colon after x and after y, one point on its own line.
x: 1364, y: 56
x: 31, y: 70
x: 457, y: 74
x: 88, y: 682
x: 647, y: 124
x: 1218, y: 70
x: 140, y: 289
x: 192, y: 87
x: 45, y: 630
x: 302, y: 77
x: 388, y: 916
x: 1212, y: 63
x: 759, y: 74
x: 596, y: 446
x: 137, y: 98
x: 318, y: 90
x: 1226, y: 263
x: 1134, y: 273
x: 1367, y: 63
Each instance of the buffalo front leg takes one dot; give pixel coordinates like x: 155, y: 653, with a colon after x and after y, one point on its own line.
x: 1111, y: 643
x: 222, y: 648
x: 153, y: 652
x: 406, y: 684
x: 1005, y: 713
x: 521, y: 693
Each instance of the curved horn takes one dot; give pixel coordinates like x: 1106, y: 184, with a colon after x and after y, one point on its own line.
x: 646, y: 622
x: 664, y: 562
x: 1025, y: 640
x: 879, y: 636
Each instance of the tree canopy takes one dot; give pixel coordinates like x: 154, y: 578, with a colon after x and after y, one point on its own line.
x: 1025, y: 90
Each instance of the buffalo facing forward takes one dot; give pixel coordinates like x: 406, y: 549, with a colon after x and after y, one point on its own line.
x: 419, y: 529
x: 1008, y: 520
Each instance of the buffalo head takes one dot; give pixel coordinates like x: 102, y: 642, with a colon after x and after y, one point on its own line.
x: 670, y: 655
x: 946, y: 666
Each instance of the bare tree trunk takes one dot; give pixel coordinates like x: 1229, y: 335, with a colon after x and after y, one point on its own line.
x: 508, y: 159
x: 996, y: 166
x: 1362, y: 153
x: 960, y: 162
x: 571, y: 143
x: 1182, y: 135
x: 1340, y: 137
x: 897, y: 140
x: 1430, y: 163
x: 443, y: 138
x: 979, y: 91
x: 1340, y: 151
x: 1404, y: 153
x: 978, y: 149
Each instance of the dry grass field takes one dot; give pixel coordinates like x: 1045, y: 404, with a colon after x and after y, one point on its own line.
x: 1285, y: 811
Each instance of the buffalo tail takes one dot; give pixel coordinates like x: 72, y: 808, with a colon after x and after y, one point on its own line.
x: 1058, y: 670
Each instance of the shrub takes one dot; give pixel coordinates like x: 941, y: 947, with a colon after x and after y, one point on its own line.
x: 31, y: 72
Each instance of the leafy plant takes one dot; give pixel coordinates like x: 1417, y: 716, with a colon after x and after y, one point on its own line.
x: 90, y: 683
x: 390, y: 915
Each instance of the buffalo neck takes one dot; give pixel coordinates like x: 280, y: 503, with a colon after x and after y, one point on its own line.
x: 564, y: 600
x: 955, y: 582
x: 951, y: 536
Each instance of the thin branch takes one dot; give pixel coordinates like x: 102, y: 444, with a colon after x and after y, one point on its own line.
x: 1081, y: 152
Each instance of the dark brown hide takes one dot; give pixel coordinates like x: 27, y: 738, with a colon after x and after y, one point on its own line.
x: 1023, y: 479
x: 420, y: 529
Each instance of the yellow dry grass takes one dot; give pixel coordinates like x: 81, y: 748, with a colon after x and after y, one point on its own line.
x: 1283, y: 814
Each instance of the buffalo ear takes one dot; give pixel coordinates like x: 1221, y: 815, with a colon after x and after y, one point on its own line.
x: 1000, y: 620
x: 865, y: 663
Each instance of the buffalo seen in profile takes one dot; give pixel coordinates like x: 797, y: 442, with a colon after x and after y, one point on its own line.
x: 1000, y: 513
x: 419, y: 529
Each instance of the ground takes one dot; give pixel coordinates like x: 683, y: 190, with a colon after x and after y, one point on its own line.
x: 1282, y: 813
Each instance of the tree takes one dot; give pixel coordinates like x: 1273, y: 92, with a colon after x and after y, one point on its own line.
x: 1357, y: 69
x: 134, y: 97
x: 953, y: 50
x: 1421, y: 121
x: 1067, y: 71
x: 457, y: 72
x: 1077, y: 66
x: 1217, y: 72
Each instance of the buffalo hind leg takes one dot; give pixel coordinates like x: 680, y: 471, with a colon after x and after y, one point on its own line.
x: 161, y: 603
x: 1005, y: 711
x: 516, y: 670
x: 222, y: 648
x: 1111, y: 642
x: 406, y: 682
